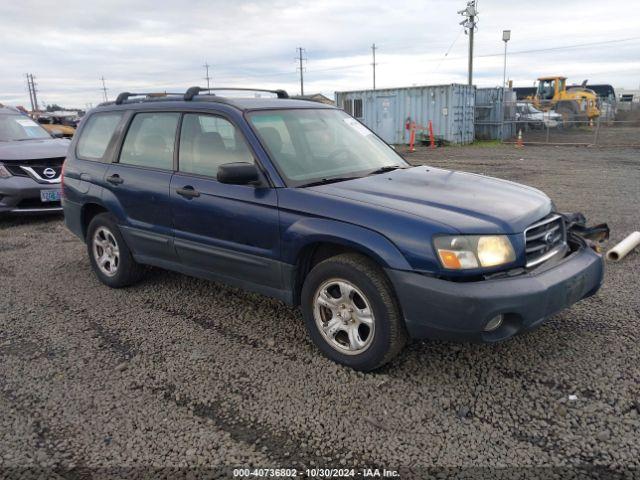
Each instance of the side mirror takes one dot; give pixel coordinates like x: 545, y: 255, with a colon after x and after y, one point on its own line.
x: 239, y: 173
x: 56, y: 133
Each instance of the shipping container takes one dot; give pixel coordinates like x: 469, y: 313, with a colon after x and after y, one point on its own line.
x: 387, y: 111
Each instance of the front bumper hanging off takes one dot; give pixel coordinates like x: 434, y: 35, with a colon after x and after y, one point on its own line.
x: 459, y: 311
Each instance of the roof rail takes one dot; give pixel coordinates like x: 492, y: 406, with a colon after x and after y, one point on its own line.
x: 193, y: 91
x: 124, y: 96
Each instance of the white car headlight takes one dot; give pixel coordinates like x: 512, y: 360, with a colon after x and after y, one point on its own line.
x: 461, y: 252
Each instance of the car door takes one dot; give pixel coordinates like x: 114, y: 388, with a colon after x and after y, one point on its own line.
x: 138, y: 184
x: 227, y: 231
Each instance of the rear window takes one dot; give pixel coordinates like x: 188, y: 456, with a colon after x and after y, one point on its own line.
x: 96, y: 135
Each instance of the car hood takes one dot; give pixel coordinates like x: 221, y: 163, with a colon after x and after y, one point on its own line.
x: 466, y: 202
x: 33, y: 149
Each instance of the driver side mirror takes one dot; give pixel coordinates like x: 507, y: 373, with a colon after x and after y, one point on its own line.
x: 238, y: 173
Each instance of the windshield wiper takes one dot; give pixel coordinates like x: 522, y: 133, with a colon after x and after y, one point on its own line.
x: 325, y: 181
x: 388, y: 168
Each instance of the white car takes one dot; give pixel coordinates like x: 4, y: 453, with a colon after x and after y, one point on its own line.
x: 525, y: 112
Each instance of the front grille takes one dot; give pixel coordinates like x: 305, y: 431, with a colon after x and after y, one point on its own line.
x: 16, y: 171
x: 36, y: 169
x: 545, y: 239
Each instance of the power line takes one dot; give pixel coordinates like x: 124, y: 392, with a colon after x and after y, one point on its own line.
x: 576, y: 45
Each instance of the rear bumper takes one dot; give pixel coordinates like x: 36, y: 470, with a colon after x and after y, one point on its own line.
x: 455, y: 311
x: 73, y: 217
x: 21, y: 195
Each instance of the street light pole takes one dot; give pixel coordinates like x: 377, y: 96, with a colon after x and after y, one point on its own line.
x: 506, y: 36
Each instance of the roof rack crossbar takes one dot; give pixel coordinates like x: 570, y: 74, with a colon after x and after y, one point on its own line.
x: 193, y: 91
x: 124, y: 96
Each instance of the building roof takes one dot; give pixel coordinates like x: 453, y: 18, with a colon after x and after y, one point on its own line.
x: 315, y: 97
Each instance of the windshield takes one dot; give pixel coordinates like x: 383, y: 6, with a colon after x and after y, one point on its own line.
x: 311, y: 145
x: 20, y: 127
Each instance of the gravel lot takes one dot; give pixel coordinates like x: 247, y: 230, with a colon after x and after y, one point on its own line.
x: 179, y: 372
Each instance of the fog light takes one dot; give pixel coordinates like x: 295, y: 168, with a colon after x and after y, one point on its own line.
x: 494, y: 323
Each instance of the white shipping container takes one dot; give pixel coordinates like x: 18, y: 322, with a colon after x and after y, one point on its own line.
x: 386, y: 111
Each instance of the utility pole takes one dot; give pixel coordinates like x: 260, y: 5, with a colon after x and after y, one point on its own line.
x: 207, y: 78
x: 104, y: 89
x: 301, y: 68
x: 469, y: 23
x: 30, y: 92
x: 373, y: 50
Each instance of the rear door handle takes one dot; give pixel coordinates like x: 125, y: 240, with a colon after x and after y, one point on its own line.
x: 115, y: 179
x: 188, y: 192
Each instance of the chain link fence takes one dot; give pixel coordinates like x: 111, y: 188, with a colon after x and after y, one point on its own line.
x: 614, y: 127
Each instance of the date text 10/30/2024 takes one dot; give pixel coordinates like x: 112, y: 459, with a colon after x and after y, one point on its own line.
x: 316, y: 473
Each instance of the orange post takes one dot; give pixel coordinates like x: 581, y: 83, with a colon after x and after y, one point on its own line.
x: 432, y: 140
x: 412, y: 138
x: 519, y: 143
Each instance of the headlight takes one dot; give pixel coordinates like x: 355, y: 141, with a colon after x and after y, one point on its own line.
x: 472, y: 251
x: 4, y: 173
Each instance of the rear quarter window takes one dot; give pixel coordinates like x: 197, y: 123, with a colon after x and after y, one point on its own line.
x: 96, y: 135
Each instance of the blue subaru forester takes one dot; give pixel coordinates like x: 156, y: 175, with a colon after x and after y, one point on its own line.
x: 300, y: 201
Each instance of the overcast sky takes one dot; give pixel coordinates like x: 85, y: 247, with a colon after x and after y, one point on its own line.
x: 162, y: 45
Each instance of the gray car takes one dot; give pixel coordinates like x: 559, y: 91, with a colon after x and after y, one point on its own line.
x: 30, y: 165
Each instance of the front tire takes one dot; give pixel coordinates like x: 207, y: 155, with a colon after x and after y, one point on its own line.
x: 110, y: 258
x: 351, y: 312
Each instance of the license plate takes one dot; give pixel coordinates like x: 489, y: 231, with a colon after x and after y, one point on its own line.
x: 50, y: 195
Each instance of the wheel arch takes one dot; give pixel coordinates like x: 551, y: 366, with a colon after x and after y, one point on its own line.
x: 309, y: 244
x: 88, y: 212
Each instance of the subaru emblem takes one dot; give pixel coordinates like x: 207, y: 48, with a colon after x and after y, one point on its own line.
x: 549, y: 238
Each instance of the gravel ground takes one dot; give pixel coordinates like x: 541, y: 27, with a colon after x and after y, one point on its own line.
x: 178, y: 372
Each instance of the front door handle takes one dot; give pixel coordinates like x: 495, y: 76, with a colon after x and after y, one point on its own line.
x: 115, y: 179
x: 188, y: 192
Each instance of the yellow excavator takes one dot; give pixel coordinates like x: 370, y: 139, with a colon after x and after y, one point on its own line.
x: 574, y: 103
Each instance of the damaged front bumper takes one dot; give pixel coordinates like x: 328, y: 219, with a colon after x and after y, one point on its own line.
x: 460, y: 311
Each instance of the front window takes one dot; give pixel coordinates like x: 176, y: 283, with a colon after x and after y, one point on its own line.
x: 547, y: 89
x: 310, y: 145
x: 20, y: 127
x: 208, y: 141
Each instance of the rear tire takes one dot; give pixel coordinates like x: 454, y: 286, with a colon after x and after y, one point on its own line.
x: 351, y: 312
x: 110, y: 258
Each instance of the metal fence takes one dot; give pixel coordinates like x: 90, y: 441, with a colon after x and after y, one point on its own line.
x: 493, y: 105
x: 620, y: 129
